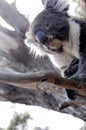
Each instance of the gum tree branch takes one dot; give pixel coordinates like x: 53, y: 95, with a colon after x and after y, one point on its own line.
x: 11, y: 15
x: 34, y: 81
x: 22, y: 80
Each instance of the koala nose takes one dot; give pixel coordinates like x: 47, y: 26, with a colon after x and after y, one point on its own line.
x: 41, y: 37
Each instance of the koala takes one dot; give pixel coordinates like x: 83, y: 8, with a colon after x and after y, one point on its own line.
x: 62, y: 38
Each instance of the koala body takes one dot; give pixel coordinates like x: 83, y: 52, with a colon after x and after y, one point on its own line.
x: 61, y: 37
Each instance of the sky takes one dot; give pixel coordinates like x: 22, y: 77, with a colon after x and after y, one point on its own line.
x: 30, y: 8
x: 41, y: 117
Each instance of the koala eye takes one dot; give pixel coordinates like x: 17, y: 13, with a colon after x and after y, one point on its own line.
x: 41, y: 37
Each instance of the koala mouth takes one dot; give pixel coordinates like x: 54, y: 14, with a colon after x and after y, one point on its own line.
x: 49, y: 41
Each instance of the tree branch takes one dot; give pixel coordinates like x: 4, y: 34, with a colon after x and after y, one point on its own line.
x: 34, y: 81
x: 11, y: 15
x: 38, y: 98
x: 24, y: 80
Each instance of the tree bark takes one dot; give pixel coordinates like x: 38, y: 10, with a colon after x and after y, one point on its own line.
x: 38, y: 98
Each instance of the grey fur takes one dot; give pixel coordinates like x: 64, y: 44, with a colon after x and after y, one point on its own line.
x: 59, y: 5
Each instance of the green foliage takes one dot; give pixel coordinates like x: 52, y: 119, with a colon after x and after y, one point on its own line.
x: 38, y: 128
x: 2, y: 129
x: 84, y: 127
x: 19, y: 121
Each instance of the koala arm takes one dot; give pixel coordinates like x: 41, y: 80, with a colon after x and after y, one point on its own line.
x: 72, y: 68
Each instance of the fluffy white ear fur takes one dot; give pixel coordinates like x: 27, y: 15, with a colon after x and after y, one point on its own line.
x: 34, y: 47
x: 59, y: 5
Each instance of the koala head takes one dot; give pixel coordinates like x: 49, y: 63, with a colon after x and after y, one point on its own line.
x: 50, y: 29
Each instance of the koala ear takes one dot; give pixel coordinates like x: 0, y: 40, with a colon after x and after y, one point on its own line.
x: 59, y: 5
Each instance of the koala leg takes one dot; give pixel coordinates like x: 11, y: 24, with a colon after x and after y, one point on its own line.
x: 81, y: 73
x: 72, y: 68
x: 70, y: 71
